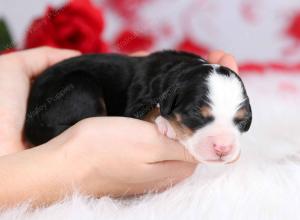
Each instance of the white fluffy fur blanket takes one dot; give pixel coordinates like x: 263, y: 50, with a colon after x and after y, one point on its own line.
x: 263, y: 184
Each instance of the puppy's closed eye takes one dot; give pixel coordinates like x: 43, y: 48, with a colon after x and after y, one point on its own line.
x: 243, y: 118
x: 205, y: 111
x: 240, y: 114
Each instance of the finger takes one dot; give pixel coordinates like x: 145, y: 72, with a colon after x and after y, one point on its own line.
x: 139, y: 54
x: 38, y: 59
x: 159, y: 148
x: 160, y: 177
x: 229, y: 61
x: 215, y: 56
x: 173, y: 170
x: 170, y: 150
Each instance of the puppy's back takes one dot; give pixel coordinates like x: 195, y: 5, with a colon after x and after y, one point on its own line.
x: 77, y: 88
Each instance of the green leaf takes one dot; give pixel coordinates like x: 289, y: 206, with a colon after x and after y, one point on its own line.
x: 5, y: 37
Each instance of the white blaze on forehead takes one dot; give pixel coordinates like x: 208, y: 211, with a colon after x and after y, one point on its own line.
x: 225, y: 93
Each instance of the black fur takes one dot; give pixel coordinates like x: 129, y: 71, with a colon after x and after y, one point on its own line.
x: 117, y: 85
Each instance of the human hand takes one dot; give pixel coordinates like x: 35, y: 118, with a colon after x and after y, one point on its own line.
x: 120, y: 156
x: 146, y: 161
x: 16, y: 71
x: 136, y: 160
x: 98, y: 157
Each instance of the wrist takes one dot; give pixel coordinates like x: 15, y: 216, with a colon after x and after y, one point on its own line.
x: 37, y: 174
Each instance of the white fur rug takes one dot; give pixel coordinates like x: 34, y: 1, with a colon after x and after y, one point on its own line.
x: 263, y: 184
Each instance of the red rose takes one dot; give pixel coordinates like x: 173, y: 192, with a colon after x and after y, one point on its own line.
x: 77, y: 25
x: 129, y: 41
x: 294, y: 27
x: 127, y: 8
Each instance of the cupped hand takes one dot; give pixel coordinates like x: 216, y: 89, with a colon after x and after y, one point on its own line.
x: 115, y: 156
x: 120, y: 156
x: 128, y: 156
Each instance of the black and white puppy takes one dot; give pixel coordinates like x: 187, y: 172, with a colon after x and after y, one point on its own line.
x: 204, y: 106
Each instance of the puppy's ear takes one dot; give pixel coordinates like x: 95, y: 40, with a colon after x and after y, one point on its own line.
x: 167, y: 103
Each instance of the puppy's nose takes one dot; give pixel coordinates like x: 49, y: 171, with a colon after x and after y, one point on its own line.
x: 222, y: 150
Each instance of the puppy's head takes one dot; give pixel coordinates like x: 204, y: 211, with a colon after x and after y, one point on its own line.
x: 207, y: 111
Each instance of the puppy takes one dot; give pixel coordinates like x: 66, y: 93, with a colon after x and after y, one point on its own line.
x: 203, y: 106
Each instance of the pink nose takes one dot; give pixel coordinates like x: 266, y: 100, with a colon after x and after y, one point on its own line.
x: 222, y: 150
x: 222, y: 144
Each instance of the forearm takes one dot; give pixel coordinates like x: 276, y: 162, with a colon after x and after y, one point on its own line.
x: 40, y: 175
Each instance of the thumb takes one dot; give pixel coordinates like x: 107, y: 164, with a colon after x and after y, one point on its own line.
x: 36, y: 60
x: 171, y: 150
x: 173, y: 171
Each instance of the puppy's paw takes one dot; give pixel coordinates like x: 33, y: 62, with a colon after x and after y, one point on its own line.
x: 165, y: 127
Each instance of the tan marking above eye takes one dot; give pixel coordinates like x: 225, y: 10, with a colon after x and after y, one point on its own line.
x: 241, y: 114
x: 205, y: 111
x: 152, y: 115
x: 178, y: 117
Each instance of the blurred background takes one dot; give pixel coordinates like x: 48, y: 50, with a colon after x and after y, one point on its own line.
x: 261, y: 34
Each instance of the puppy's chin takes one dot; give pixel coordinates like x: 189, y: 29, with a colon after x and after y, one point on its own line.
x: 235, y: 158
x: 222, y: 161
x: 212, y: 162
x: 232, y: 158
